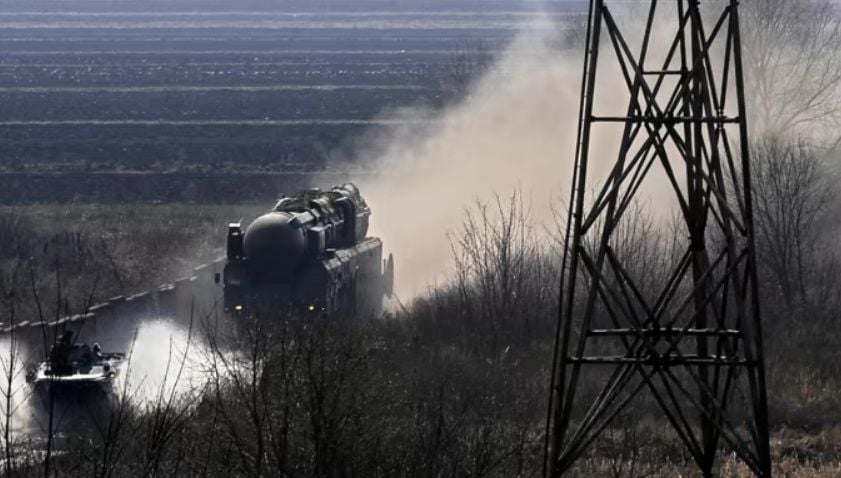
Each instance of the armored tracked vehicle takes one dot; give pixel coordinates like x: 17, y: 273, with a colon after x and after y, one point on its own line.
x: 310, y: 254
x: 77, y: 371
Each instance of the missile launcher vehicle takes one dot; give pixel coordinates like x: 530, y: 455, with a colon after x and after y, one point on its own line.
x: 310, y: 254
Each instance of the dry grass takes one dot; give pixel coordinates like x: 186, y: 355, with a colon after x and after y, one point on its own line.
x: 88, y: 253
x: 456, y: 387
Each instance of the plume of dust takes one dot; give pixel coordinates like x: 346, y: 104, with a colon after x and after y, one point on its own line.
x: 515, y: 130
x: 14, y: 391
x: 165, y: 361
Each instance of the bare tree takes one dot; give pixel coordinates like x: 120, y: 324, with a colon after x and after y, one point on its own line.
x: 792, y: 58
x: 792, y: 194
x: 12, y: 393
x: 505, y: 274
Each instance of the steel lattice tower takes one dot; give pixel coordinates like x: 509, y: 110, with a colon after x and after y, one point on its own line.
x: 693, y: 344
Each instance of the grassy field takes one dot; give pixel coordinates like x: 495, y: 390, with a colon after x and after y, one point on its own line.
x: 89, y: 253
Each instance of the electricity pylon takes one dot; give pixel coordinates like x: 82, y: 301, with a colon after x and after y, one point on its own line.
x: 691, y: 343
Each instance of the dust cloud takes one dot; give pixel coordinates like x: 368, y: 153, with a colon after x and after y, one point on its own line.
x: 515, y: 130
x: 166, y: 360
x: 15, y: 405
